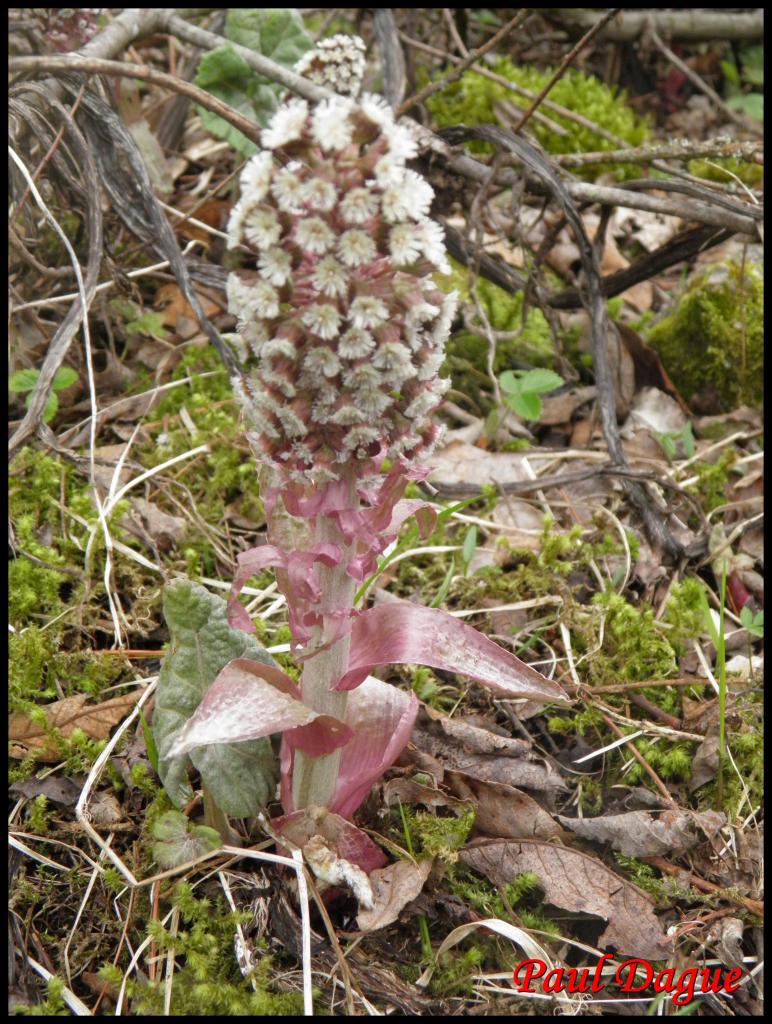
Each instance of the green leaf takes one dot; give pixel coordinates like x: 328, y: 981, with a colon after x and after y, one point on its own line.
x: 442, y: 593
x: 64, y: 377
x: 687, y: 439
x: 540, y: 380
x: 527, y: 405
x: 149, y: 323
x: 51, y: 406
x: 731, y: 74
x: 509, y: 381
x: 229, y: 78
x: 241, y: 777
x: 179, y: 841
x: 751, y: 103
x: 753, y: 623
x: 470, y: 545
x: 152, y: 749
x: 23, y: 380
x: 668, y: 445
x: 276, y: 33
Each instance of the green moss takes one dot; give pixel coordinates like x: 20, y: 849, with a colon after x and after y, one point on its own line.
x: 39, y: 815
x: 36, y: 664
x: 684, y: 613
x: 714, y: 338
x: 470, y: 100
x: 522, y: 894
x: 724, y: 170
x: 208, y: 981
x: 671, y: 761
x: 231, y: 471
x: 713, y: 480
x: 52, y: 1006
x: 467, y: 350
x: 579, y: 722
x: 439, y: 836
x: 635, y: 648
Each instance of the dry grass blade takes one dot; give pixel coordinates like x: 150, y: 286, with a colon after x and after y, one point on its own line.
x: 86, y: 185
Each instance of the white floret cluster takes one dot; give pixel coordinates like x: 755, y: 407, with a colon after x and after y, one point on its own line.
x: 337, y: 62
x: 336, y: 297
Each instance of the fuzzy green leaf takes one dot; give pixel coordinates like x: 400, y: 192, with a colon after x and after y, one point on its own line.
x: 510, y: 382
x: 179, y: 841
x: 241, y: 777
x: 23, y: 380
x: 525, y: 404
x: 64, y: 377
x: 52, y: 405
x: 540, y: 380
x: 277, y: 33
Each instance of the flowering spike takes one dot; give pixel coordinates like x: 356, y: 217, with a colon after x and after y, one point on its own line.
x: 337, y: 302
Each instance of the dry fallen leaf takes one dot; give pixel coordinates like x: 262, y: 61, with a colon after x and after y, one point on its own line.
x: 639, y: 833
x: 461, y: 468
x: 471, y: 737
x: 412, y: 792
x: 519, y: 772
x: 57, y: 789
x: 95, y: 720
x: 393, y: 888
x: 146, y: 519
x: 577, y: 883
x: 503, y: 812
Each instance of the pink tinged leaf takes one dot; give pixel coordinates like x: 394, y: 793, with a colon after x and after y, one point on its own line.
x: 346, y: 839
x: 249, y: 564
x: 248, y: 700
x: 407, y: 633
x: 300, y: 569
x: 381, y: 718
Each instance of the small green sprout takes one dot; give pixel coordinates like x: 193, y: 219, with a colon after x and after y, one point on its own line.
x: 753, y: 623
x: 671, y: 440
x: 523, y: 387
x: 25, y: 380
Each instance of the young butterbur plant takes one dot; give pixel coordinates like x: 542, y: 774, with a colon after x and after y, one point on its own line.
x: 336, y: 300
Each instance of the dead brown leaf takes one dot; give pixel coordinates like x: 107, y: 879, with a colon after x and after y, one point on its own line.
x: 462, y: 468
x: 95, y: 720
x: 147, y: 521
x: 577, y: 883
x: 504, y: 812
x: 393, y: 888
x: 519, y: 772
x: 470, y: 736
x: 57, y: 789
x: 413, y: 792
x: 640, y: 833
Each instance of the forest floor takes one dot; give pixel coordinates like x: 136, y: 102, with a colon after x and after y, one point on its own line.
x: 627, y: 825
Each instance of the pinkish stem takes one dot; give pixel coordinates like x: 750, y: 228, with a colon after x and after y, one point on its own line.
x: 314, y: 778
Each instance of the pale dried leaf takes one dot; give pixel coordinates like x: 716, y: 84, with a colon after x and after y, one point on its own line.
x: 393, y: 888
x: 95, y: 720
x: 638, y: 833
x: 334, y: 870
x: 504, y: 812
x: 412, y: 792
x: 461, y: 468
x: 577, y: 883
x: 471, y: 737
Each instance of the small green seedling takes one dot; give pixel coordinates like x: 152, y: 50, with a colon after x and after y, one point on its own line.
x: 670, y: 441
x: 738, y: 82
x: 178, y: 841
x: 523, y: 387
x: 753, y: 623
x: 25, y: 380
